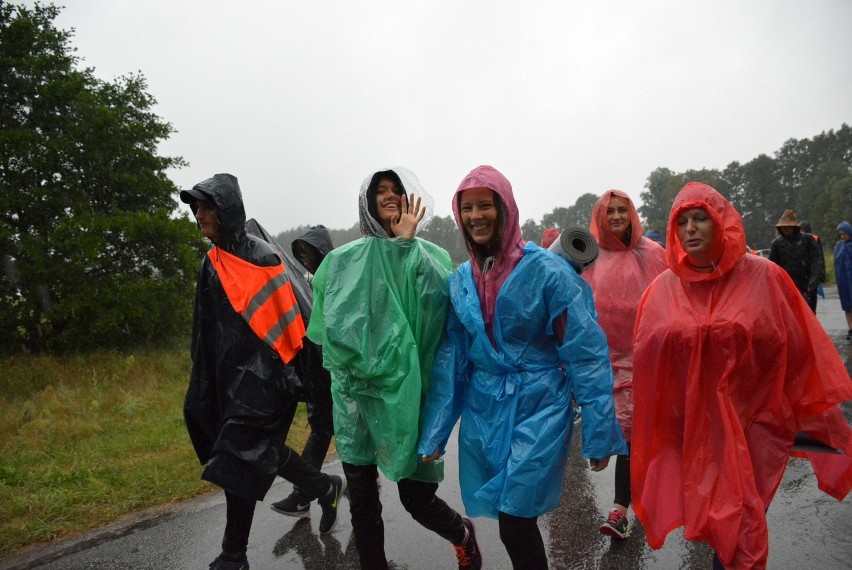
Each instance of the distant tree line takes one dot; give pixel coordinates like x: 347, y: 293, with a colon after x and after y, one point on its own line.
x: 811, y: 176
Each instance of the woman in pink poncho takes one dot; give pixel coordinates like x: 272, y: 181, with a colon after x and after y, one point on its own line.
x: 729, y: 363
x: 627, y: 263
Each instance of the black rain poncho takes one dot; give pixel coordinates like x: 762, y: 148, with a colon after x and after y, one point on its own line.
x: 236, y: 406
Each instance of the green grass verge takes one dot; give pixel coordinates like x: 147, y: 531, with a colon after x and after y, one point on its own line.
x: 87, y: 439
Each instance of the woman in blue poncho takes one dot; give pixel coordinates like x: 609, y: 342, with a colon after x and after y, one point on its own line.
x: 843, y: 271
x: 521, y: 338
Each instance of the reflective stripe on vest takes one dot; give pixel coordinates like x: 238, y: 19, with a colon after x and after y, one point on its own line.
x: 264, y: 297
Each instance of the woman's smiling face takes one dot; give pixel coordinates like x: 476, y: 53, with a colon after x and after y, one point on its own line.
x: 479, y: 214
x: 388, y: 203
x: 618, y: 216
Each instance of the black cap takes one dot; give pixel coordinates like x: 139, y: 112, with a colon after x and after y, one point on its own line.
x: 190, y: 196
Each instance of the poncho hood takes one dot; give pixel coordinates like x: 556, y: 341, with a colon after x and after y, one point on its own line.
x: 408, y: 183
x: 318, y: 238
x: 730, y: 233
x: 224, y: 191
x: 511, y: 242
x: 599, y: 225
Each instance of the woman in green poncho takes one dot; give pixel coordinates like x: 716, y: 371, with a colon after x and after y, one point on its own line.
x: 380, y: 304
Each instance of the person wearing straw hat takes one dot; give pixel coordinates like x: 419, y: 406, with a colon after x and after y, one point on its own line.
x: 798, y: 254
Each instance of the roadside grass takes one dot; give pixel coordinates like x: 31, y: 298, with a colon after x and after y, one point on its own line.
x: 87, y: 439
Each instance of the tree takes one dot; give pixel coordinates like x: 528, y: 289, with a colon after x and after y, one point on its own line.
x: 531, y: 231
x: 658, y: 197
x: 93, y: 256
x: 753, y: 192
x: 443, y: 231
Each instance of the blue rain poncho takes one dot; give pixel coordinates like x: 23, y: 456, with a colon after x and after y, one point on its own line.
x: 514, y: 395
x: 380, y: 306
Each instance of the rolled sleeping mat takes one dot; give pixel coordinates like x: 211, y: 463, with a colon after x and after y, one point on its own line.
x: 576, y: 246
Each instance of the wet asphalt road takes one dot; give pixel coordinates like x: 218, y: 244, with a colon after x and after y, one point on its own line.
x: 808, y: 529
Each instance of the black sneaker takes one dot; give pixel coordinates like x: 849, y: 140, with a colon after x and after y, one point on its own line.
x: 616, y: 525
x: 330, y: 502
x: 468, y: 554
x: 222, y: 563
x: 296, y: 505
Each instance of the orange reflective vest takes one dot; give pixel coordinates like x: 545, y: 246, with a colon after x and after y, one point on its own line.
x: 264, y: 297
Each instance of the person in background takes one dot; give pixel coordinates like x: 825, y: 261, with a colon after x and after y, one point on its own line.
x: 729, y: 363
x: 806, y: 228
x: 521, y: 338
x: 654, y: 235
x: 380, y: 304
x: 843, y: 271
x: 238, y: 402
x: 310, y: 249
x: 548, y: 236
x: 798, y: 254
x: 627, y: 263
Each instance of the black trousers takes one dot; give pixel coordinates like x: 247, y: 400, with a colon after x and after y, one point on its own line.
x: 811, y: 298
x: 240, y: 511
x: 316, y: 447
x: 417, y: 497
x: 310, y: 480
x: 622, y: 479
x: 522, y: 539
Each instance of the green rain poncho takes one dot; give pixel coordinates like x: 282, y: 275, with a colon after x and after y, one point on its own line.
x: 380, y: 306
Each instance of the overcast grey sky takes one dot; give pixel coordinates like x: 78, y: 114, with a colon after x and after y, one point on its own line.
x: 301, y: 100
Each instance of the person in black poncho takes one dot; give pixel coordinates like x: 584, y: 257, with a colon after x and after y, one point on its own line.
x: 247, y: 328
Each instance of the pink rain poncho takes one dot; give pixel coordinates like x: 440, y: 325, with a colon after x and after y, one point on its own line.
x: 727, y: 367
x: 618, y: 278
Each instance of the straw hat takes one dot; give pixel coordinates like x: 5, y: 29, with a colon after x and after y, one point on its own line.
x: 788, y: 220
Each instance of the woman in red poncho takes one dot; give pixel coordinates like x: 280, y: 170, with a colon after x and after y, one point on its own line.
x: 626, y: 265
x: 728, y: 364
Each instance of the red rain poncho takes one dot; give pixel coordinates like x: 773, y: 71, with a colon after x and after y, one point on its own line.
x: 728, y: 366
x: 618, y: 277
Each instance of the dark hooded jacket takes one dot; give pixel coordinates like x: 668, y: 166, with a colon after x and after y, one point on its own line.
x: 311, y: 247
x: 800, y: 257
x: 236, y: 406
